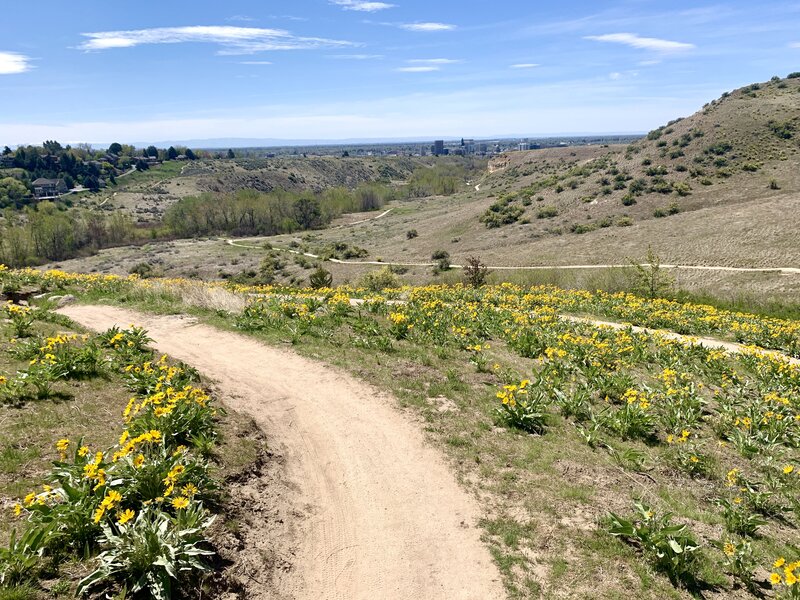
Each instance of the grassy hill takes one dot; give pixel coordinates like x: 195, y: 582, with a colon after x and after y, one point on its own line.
x: 739, y: 148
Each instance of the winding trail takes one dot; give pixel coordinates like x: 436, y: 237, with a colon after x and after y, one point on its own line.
x: 782, y: 270
x: 385, y: 517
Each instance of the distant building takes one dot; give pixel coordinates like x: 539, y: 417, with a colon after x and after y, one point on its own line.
x: 523, y: 146
x: 438, y: 147
x: 49, y: 188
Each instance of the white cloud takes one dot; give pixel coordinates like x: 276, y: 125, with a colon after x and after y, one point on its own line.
x: 421, y: 69
x: 255, y: 62
x: 615, y: 75
x: 434, y: 61
x: 794, y: 45
x: 240, y: 18
x: 427, y: 26
x: 12, y: 63
x: 233, y: 39
x: 644, y: 43
x: 525, y: 66
x: 356, y: 56
x: 362, y: 6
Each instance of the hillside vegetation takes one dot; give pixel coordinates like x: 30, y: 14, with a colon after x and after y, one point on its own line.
x: 738, y: 148
x: 718, y: 188
x: 634, y: 462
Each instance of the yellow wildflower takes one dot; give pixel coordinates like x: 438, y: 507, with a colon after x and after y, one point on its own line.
x: 125, y: 516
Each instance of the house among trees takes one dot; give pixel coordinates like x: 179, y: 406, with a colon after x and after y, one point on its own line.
x: 48, y: 188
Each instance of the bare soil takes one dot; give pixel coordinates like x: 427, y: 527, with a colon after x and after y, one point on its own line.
x: 372, y: 511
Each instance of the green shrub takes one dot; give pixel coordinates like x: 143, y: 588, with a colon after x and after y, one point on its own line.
x: 377, y: 281
x: 320, y: 279
x: 524, y: 407
x: 475, y: 272
x: 719, y: 148
x: 670, y: 547
x: 150, y: 554
x: 580, y: 228
x: 624, y: 222
x: 547, y: 212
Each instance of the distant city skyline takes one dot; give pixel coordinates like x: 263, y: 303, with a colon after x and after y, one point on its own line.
x: 331, y: 70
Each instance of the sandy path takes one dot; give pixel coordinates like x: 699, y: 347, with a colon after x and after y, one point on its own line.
x: 783, y: 270
x: 386, y: 518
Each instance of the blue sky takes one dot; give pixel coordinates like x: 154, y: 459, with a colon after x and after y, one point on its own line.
x: 333, y: 69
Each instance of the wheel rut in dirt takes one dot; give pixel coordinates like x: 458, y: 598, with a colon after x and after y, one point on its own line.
x: 384, y: 517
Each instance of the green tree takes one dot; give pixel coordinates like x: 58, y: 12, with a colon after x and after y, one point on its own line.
x: 650, y: 279
x: 11, y: 191
x: 442, y: 258
x: 115, y: 148
x: 320, y: 279
x: 190, y: 155
x: 475, y: 272
x: 151, y: 151
x: 172, y: 154
x: 230, y: 153
x: 307, y: 212
x: 92, y: 182
x: 52, y: 231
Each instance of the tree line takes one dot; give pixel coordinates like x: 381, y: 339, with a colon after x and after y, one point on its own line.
x: 49, y: 232
x: 76, y: 165
x: 249, y: 212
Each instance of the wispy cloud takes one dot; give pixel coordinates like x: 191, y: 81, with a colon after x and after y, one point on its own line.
x: 355, y: 56
x: 525, y: 66
x: 426, y: 65
x: 240, y: 18
x: 427, y: 26
x: 645, y: 43
x: 234, y: 40
x: 420, y: 69
x: 12, y: 63
x: 434, y: 61
x: 255, y: 62
x: 794, y: 45
x: 362, y: 6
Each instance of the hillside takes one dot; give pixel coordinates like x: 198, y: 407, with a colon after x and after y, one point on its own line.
x: 718, y: 188
x: 146, y: 196
x: 739, y: 148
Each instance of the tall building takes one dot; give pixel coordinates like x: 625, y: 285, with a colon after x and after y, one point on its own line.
x: 438, y: 147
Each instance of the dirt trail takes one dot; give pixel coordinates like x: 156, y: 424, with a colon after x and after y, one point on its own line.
x: 385, y: 517
x: 782, y: 270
